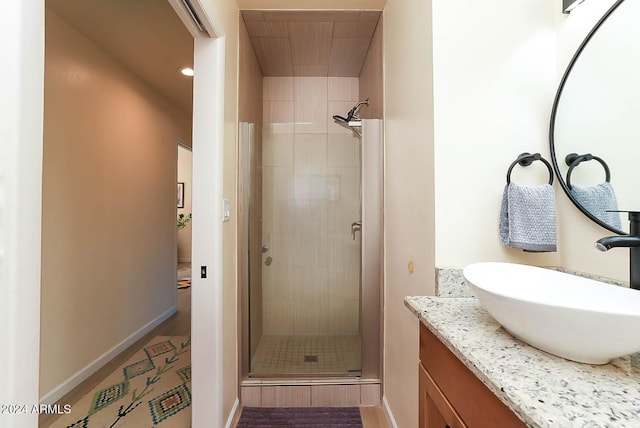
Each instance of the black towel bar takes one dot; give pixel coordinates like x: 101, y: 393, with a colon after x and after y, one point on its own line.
x: 526, y: 159
x: 574, y: 159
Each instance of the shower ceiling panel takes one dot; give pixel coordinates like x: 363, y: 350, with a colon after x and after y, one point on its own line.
x: 311, y: 43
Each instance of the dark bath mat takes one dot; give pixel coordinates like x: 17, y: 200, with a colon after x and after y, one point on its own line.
x: 309, y: 417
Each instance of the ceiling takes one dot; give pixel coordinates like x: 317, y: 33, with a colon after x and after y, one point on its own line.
x: 145, y: 35
x: 150, y: 39
x: 311, y: 43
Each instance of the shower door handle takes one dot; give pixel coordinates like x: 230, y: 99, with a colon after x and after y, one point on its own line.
x: 356, y: 226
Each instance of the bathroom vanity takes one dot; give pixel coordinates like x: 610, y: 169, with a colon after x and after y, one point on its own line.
x: 450, y: 395
x: 475, y: 374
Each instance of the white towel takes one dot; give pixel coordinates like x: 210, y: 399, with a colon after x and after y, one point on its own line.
x: 528, y: 217
x: 598, y: 200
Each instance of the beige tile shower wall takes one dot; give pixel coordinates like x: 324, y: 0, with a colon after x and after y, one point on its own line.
x: 365, y: 394
x: 311, y: 172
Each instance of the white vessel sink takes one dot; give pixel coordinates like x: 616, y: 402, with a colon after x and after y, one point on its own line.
x: 576, y: 318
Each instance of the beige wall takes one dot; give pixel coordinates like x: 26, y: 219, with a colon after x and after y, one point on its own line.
x: 409, y: 194
x: 371, y: 78
x: 311, y: 169
x: 250, y: 80
x: 185, y: 161
x: 493, y: 100
x: 108, y: 228
x: 448, y: 148
x: 504, y: 99
x: 228, y: 18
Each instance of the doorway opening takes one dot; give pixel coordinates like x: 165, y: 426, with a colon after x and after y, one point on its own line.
x: 184, y: 216
x: 129, y: 140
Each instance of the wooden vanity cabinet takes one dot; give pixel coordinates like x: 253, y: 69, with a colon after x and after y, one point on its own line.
x: 451, y: 395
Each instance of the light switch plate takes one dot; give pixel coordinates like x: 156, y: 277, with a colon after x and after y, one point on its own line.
x: 226, y: 210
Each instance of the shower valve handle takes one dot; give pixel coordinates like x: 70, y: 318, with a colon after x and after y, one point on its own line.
x: 356, y: 226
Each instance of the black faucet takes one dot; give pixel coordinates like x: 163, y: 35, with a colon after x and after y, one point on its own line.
x: 632, y: 240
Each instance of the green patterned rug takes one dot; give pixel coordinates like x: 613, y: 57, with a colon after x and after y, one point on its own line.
x: 184, y: 275
x: 152, y: 389
x: 184, y: 283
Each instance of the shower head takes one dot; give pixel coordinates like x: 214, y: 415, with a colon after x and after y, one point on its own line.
x: 351, y: 117
x: 341, y: 120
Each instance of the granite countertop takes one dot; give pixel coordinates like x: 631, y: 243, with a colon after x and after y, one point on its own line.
x: 542, y: 389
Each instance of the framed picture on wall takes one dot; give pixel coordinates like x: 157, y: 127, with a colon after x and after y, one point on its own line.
x: 180, y: 195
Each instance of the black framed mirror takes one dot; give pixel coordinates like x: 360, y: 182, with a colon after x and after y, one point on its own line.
x: 594, y: 133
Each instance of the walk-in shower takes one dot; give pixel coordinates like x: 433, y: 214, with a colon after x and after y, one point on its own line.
x: 311, y: 304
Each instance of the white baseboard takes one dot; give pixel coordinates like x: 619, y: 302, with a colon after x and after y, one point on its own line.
x: 65, y: 387
x: 388, y: 412
x: 232, y: 416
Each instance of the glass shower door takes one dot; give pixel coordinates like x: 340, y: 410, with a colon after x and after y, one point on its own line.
x: 310, y: 323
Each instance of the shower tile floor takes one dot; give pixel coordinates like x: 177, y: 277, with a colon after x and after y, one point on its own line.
x: 307, y: 355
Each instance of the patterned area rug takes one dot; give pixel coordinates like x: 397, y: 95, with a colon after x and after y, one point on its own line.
x: 184, y: 283
x: 184, y: 275
x: 152, y: 389
x: 309, y: 417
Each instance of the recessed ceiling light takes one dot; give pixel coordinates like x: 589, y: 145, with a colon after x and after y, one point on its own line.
x: 187, y: 71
